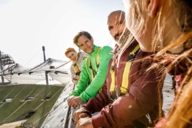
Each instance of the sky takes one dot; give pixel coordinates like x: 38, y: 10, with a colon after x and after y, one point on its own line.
x: 27, y: 25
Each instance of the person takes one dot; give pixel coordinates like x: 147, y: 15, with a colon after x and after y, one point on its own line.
x: 165, y: 26
x: 131, y: 93
x: 77, y: 59
x: 94, y: 69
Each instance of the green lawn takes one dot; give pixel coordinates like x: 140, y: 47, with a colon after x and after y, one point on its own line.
x: 35, y: 110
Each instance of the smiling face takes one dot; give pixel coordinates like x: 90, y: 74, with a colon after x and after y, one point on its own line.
x: 116, y: 24
x: 85, y: 44
x: 72, y: 55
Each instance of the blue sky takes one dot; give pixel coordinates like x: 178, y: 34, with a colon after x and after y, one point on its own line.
x: 27, y: 25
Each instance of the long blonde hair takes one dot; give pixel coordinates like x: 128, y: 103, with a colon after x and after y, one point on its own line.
x: 181, y: 111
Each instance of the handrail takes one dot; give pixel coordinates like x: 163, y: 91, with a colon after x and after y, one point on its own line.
x: 69, y: 116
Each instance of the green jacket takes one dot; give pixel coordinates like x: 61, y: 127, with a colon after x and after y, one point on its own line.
x: 93, y: 73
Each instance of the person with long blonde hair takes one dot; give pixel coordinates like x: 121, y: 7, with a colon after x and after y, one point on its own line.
x: 165, y: 27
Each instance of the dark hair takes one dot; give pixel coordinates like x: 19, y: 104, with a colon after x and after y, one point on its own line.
x: 84, y: 33
x: 184, y: 11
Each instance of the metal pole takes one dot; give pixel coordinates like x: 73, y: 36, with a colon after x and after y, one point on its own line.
x: 69, y: 116
x: 71, y: 124
x: 1, y: 65
x: 46, y: 73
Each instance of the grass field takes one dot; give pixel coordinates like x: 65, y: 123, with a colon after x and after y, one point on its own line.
x: 31, y: 102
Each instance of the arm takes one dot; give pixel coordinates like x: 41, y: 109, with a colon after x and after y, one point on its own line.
x: 83, y: 81
x: 93, y: 105
x: 141, y: 99
x: 98, y: 81
x: 97, y: 103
